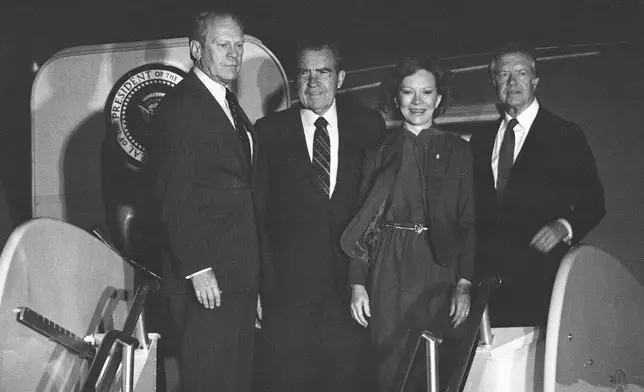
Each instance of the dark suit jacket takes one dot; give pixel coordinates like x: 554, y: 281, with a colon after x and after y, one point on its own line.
x: 449, y: 204
x: 553, y: 177
x: 209, y: 196
x: 303, y: 225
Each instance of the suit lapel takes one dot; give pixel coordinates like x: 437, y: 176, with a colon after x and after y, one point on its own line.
x: 530, y: 146
x: 251, y: 130
x: 530, y: 151
x: 297, y: 151
x: 219, y: 119
x: 435, y: 168
x: 344, y: 146
x: 387, y: 164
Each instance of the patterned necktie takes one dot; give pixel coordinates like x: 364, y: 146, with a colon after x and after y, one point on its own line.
x: 506, y: 158
x: 233, y: 105
x: 322, y: 154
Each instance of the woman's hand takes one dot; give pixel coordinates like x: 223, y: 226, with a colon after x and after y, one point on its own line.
x: 360, y: 304
x: 459, y: 308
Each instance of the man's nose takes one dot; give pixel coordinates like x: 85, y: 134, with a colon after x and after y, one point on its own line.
x: 312, y: 79
x: 512, y: 80
x: 234, y: 53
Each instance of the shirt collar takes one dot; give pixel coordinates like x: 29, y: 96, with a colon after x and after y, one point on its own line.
x: 217, y: 90
x: 309, y: 116
x: 526, y: 118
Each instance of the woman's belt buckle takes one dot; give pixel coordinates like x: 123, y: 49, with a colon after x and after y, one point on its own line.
x: 418, y: 228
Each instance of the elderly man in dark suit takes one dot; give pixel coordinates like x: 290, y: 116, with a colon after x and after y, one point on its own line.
x: 537, y: 191
x: 205, y: 162
x: 314, y: 151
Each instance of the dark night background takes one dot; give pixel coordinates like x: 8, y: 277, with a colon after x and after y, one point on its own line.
x: 371, y: 33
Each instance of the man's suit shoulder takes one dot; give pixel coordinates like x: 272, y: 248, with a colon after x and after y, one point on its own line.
x: 548, y: 120
x: 277, y: 118
x: 183, y: 95
x: 361, y: 111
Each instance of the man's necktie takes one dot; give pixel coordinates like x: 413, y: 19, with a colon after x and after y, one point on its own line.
x: 322, y: 154
x: 233, y: 105
x: 506, y: 158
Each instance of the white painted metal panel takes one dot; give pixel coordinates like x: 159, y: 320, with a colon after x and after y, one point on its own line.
x: 69, y: 124
x: 595, y: 337
x: 68, y: 276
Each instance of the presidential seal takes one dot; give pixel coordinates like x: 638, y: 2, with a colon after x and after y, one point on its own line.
x: 131, y: 104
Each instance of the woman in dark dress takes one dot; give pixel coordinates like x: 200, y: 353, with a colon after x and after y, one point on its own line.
x: 412, y: 243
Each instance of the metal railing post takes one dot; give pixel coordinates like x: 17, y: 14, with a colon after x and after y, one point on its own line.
x: 127, y: 363
x: 431, y: 355
x: 485, y: 331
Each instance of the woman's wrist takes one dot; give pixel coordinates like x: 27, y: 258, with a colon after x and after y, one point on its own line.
x: 358, y: 287
x: 463, y: 285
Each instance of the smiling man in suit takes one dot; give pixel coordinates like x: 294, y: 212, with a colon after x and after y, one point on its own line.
x: 205, y: 163
x: 537, y: 191
x: 314, y: 150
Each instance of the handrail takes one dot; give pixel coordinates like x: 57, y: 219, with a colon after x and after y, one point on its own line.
x: 464, y: 349
x: 485, y: 330
x: 477, y: 322
x: 97, y: 380
x: 431, y: 342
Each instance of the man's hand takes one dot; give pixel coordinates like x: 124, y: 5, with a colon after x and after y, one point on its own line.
x: 459, y: 307
x: 549, y: 236
x: 207, y: 289
x: 360, y: 304
x: 258, y: 317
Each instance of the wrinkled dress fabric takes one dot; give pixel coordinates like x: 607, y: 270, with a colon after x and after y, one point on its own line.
x: 408, y: 289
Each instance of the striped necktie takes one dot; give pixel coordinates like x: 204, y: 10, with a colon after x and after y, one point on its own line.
x: 233, y: 105
x: 322, y: 154
x: 506, y: 158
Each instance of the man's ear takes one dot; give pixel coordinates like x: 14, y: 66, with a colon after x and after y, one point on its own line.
x: 535, y: 82
x: 195, y: 49
x: 341, y: 76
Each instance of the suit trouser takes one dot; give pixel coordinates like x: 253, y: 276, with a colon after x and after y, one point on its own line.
x: 312, y: 346
x: 216, y: 347
x: 527, y: 275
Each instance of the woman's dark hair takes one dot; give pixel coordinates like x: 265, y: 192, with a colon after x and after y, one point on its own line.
x: 409, y: 66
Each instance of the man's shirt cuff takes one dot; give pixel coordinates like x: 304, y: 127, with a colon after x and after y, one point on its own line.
x: 568, y: 236
x: 202, y: 271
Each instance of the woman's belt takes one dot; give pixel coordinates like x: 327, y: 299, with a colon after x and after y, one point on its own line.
x: 417, y: 227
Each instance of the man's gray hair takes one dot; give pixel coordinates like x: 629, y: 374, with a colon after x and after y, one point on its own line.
x: 201, y: 21
x: 509, y: 48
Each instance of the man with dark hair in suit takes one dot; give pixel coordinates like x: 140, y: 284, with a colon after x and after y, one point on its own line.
x: 314, y: 151
x: 537, y: 191
x: 205, y: 161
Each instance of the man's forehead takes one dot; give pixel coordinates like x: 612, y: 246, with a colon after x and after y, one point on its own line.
x: 223, y: 26
x: 515, y: 59
x: 323, y: 58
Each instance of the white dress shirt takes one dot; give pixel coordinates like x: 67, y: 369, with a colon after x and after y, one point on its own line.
x: 308, y: 122
x: 525, y: 119
x: 218, y: 91
x: 521, y: 130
